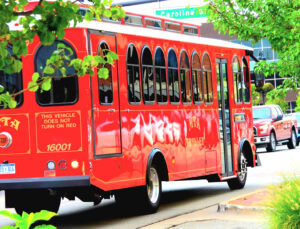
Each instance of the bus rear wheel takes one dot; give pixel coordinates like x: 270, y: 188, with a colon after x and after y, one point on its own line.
x: 146, y: 198
x: 37, y: 200
x: 240, y: 181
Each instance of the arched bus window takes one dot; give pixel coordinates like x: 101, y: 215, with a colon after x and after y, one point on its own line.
x: 237, y: 80
x: 133, y: 75
x: 173, y: 77
x: 64, y: 90
x: 160, y: 76
x: 207, y: 79
x: 185, y: 81
x: 11, y: 83
x: 197, y: 79
x: 147, y: 76
x: 246, y: 83
x: 105, y: 85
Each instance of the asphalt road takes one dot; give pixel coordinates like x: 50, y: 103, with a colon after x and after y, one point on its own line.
x: 178, y: 197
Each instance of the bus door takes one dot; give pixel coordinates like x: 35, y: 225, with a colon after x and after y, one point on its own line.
x: 224, y: 118
x: 105, y: 100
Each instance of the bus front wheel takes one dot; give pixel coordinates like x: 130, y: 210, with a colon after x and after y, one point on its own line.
x: 240, y: 181
x: 37, y: 200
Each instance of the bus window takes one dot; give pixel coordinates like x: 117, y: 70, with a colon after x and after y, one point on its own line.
x: 207, y: 79
x: 237, y: 80
x: 105, y: 85
x: 196, y: 79
x: 147, y: 76
x: 185, y: 78
x: 160, y: 77
x: 11, y: 83
x: 246, y: 83
x: 64, y: 90
x: 133, y: 75
x: 173, y: 77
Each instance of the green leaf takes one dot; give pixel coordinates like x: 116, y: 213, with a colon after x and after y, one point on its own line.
x: 113, y: 55
x: 8, y: 227
x: 44, y: 215
x: 46, y: 86
x: 49, y: 70
x: 32, y: 86
x: 10, y: 215
x: 1, y: 89
x: 103, y: 73
x: 107, y: 13
x: 35, y: 76
x: 89, y: 16
x: 45, y: 227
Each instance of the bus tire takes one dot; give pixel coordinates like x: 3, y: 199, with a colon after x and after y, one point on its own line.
x: 145, y: 199
x: 240, y: 181
x: 37, y: 200
x: 292, y: 141
x: 271, y: 147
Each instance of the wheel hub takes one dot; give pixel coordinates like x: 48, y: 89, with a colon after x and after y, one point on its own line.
x: 153, y: 186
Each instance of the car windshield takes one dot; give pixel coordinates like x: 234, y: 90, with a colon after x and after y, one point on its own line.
x: 261, y: 113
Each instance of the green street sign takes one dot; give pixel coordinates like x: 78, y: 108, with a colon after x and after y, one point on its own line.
x: 181, y: 13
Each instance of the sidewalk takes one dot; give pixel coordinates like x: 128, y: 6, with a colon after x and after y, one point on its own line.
x: 243, y: 212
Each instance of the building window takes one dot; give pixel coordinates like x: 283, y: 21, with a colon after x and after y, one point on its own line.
x: 173, y: 77
x: 160, y: 77
x: 185, y: 78
x: 246, y: 83
x: 147, y: 76
x: 64, y: 90
x: 133, y: 75
x: 237, y: 80
x: 207, y: 79
x: 11, y: 83
x: 197, y: 79
x: 105, y: 85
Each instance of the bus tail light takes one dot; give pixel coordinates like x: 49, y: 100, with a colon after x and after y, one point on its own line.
x: 5, y: 140
x: 62, y: 164
x: 75, y: 164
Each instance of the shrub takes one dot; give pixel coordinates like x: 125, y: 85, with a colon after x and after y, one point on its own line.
x: 284, y: 211
x: 27, y: 220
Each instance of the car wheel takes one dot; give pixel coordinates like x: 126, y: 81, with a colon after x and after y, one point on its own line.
x: 272, y: 145
x: 292, y: 141
x: 240, y: 181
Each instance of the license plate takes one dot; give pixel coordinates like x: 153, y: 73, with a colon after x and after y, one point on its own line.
x: 7, y: 169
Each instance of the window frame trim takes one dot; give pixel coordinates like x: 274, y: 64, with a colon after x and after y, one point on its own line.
x: 139, y: 65
x: 201, y: 70
x: 240, y: 74
x: 154, y: 87
x: 249, y: 75
x: 189, y: 69
x: 98, y: 79
x: 35, y: 67
x: 160, y: 67
x: 205, y: 71
x: 179, y: 85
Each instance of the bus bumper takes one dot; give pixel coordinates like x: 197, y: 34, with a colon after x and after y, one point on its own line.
x: 44, y: 182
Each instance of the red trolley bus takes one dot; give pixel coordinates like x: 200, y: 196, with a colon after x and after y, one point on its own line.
x: 175, y: 106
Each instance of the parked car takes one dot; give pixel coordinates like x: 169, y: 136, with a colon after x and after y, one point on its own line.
x: 271, y: 127
x: 297, y: 117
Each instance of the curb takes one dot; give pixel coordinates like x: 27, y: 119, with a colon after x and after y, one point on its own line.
x: 226, y: 206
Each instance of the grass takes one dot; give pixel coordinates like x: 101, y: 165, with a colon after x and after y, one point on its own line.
x: 284, y: 205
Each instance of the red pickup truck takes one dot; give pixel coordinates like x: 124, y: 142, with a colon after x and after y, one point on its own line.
x: 272, y: 127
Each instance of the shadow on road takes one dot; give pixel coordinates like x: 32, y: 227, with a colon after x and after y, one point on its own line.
x: 110, y: 211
